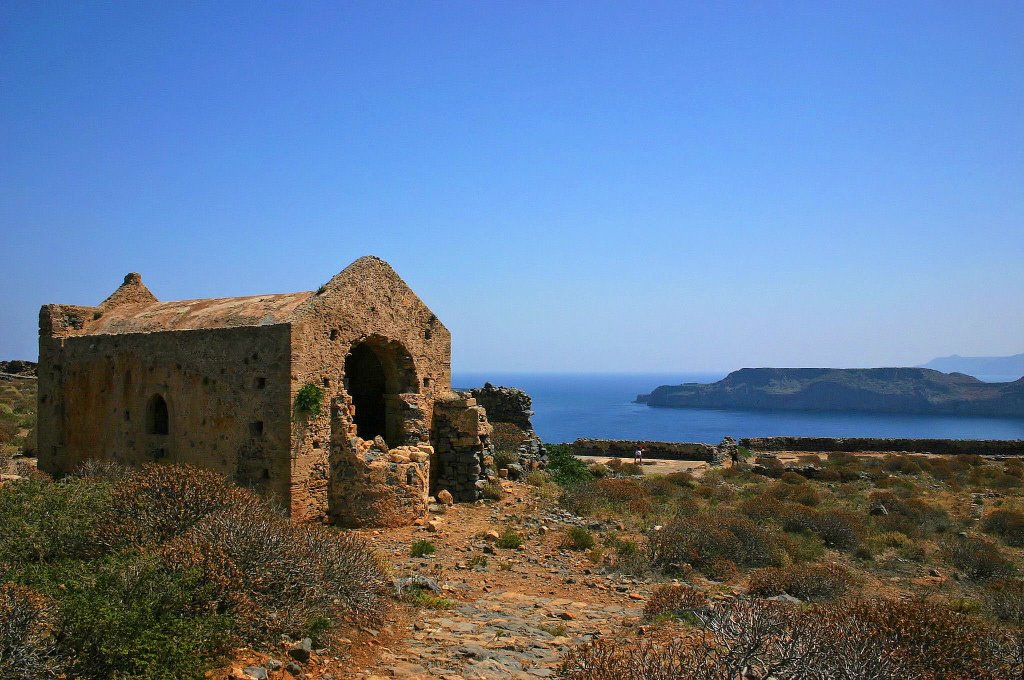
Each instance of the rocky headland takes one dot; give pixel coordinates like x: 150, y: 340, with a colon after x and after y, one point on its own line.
x: 878, y: 390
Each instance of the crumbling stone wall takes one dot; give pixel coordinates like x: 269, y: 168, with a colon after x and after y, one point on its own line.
x: 365, y: 306
x: 979, y: 447
x: 622, y: 448
x: 460, y: 436
x: 513, y: 407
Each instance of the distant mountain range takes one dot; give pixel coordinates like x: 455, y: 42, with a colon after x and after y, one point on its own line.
x: 879, y: 390
x: 979, y: 366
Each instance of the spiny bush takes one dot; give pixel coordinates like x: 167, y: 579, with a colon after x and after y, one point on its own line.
x: 27, y: 638
x: 909, y: 515
x: 700, y: 539
x: 884, y: 639
x: 770, y: 466
x: 158, y: 502
x: 273, y: 576
x: 675, y: 600
x: 1003, y: 599
x: 681, y: 478
x: 840, y: 529
x: 492, y: 491
x: 631, y: 469
x: 1007, y: 524
x: 903, y: 464
x: 801, y: 493
x: 578, y: 538
x: 811, y: 582
x: 977, y: 558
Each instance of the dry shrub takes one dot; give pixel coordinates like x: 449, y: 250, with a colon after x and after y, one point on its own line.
x: 704, y: 539
x: 811, y: 582
x: 741, y: 638
x: 681, y: 478
x: 507, y: 436
x: 1007, y: 524
x: 839, y: 529
x: 676, y: 600
x: 629, y: 494
x: 274, y: 576
x: 158, y: 502
x: 27, y: 641
x: 770, y: 466
x: 802, y: 493
x: 903, y: 464
x: 909, y: 515
x: 1003, y: 599
x: 977, y: 557
x: 631, y: 469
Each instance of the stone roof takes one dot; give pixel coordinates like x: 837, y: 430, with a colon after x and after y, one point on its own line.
x: 184, y: 315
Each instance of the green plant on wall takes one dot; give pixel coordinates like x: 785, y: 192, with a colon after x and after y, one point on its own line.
x: 309, y: 399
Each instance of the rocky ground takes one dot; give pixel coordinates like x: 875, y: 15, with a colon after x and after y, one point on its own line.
x: 514, y: 609
x: 498, y: 613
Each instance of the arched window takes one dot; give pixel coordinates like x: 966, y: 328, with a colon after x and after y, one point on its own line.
x: 157, y: 421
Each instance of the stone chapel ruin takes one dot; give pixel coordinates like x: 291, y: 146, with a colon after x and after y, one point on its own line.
x: 217, y: 383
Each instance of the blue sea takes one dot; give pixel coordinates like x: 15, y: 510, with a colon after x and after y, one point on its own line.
x: 569, y: 406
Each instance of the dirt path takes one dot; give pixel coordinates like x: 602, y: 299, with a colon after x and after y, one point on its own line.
x: 514, y: 614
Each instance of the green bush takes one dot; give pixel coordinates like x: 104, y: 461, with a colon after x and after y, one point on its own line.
x: 566, y: 469
x: 505, y: 457
x: 309, y: 399
x: 422, y: 549
x: 133, y: 618
x: 509, y: 539
x: 578, y: 538
x: 44, y: 520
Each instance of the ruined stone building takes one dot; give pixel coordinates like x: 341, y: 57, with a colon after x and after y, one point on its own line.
x: 336, y: 402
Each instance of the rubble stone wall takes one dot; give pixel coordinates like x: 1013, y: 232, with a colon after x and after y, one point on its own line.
x: 623, y: 448
x: 460, y: 437
x: 981, y: 447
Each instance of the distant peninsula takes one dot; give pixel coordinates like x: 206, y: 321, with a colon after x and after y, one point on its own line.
x: 876, y: 390
x: 979, y: 366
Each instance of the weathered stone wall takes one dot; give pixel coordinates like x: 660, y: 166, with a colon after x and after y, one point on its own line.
x: 460, y: 437
x: 366, y: 304
x: 981, y: 447
x: 505, y: 405
x: 623, y: 448
x: 514, y: 407
x: 226, y: 392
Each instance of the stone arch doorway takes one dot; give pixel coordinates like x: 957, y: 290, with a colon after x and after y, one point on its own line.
x: 377, y: 372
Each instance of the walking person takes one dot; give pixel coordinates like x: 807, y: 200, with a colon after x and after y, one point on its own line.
x: 638, y: 455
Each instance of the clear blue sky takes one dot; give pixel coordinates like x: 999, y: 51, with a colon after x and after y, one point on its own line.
x: 570, y: 186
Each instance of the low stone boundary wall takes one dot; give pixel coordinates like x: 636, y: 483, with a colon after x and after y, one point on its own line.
x: 624, y: 448
x: 981, y: 447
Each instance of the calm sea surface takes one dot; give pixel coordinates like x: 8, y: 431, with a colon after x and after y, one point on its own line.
x: 568, y: 406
